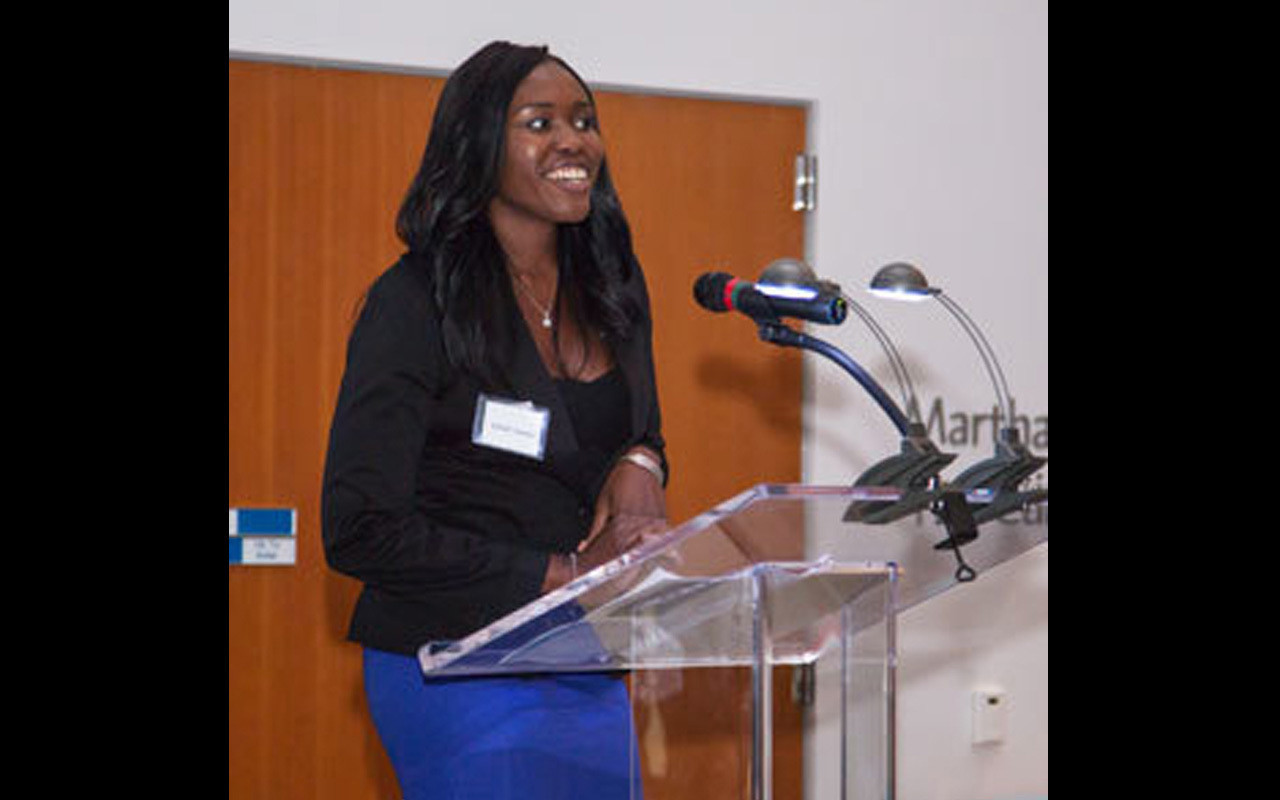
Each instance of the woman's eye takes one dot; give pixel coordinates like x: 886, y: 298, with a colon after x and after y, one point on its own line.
x: 543, y: 124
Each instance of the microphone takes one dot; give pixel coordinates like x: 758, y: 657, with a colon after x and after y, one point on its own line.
x: 720, y: 292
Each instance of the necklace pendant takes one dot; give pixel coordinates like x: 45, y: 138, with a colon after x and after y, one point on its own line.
x: 546, y: 320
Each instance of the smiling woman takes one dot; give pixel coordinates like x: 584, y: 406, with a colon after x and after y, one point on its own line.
x: 550, y: 162
x: 519, y: 292
x: 553, y: 152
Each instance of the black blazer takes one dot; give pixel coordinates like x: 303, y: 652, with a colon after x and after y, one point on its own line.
x: 448, y: 536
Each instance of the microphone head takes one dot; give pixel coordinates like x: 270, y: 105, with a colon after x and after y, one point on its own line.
x: 708, y: 290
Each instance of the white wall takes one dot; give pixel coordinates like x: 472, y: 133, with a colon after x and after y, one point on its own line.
x: 930, y: 121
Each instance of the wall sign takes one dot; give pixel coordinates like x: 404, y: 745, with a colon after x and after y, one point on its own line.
x: 262, y: 537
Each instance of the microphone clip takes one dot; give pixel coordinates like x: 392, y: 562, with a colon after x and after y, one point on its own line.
x: 952, y: 510
x: 772, y: 330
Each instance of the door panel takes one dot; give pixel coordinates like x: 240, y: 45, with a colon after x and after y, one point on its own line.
x: 319, y: 159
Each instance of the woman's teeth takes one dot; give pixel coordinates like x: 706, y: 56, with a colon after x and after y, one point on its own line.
x: 567, y: 174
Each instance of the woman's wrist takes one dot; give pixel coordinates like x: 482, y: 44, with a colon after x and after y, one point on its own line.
x: 562, y: 568
x: 646, y: 459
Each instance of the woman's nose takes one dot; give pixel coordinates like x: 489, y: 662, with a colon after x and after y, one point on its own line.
x: 568, y: 138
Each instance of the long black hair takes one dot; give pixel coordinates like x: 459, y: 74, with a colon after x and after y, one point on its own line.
x: 444, y: 221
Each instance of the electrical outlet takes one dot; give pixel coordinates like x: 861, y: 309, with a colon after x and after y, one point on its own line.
x: 989, y: 715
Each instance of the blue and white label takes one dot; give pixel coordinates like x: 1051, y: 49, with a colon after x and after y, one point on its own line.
x: 262, y: 536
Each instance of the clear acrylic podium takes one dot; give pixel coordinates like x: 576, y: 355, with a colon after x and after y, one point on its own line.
x: 774, y: 576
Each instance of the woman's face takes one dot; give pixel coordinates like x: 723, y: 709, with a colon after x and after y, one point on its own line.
x: 553, y: 150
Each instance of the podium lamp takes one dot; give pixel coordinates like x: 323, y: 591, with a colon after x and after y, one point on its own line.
x: 998, y: 477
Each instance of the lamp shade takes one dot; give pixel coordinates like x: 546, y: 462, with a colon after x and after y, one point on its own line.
x: 901, y: 281
x: 789, y: 272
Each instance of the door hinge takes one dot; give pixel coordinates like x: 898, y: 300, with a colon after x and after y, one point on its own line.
x: 805, y: 197
x: 804, y: 685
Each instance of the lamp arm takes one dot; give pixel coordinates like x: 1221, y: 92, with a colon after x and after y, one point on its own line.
x: 895, y: 361
x: 779, y: 334
x: 984, y: 350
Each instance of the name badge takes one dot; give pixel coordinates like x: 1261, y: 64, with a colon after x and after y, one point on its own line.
x: 513, y: 426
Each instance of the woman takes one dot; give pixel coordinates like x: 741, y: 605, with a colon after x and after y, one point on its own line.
x: 497, y: 433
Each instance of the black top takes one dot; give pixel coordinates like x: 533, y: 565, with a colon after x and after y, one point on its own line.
x: 447, y: 535
x: 599, y: 411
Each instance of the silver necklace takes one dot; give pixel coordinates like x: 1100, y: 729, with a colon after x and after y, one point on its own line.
x: 544, y: 310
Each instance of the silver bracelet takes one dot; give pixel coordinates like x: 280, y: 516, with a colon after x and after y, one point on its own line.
x: 642, y: 460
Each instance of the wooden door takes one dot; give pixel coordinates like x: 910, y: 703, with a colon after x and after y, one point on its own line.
x: 319, y: 159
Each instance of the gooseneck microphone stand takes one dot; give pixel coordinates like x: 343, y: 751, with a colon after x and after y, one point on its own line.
x: 775, y: 332
x: 914, y: 470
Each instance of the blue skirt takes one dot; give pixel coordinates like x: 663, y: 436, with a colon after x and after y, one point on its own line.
x: 546, y: 737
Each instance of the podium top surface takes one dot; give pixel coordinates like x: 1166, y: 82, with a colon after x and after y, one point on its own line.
x: 779, y: 568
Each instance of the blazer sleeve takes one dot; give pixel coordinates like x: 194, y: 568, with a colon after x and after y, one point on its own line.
x: 651, y: 430
x: 373, y: 529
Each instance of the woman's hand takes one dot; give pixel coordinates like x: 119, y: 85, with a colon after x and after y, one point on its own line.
x: 631, y: 510
x: 621, y: 533
x: 629, y: 491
